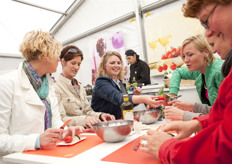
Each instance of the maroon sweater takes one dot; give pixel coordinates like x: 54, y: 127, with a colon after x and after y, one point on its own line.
x: 213, y: 144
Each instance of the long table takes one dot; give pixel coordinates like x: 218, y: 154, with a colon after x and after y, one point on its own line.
x: 93, y: 155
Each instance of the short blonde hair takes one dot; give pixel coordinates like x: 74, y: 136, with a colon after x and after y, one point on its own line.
x: 38, y: 44
x: 201, y: 44
x: 102, y: 64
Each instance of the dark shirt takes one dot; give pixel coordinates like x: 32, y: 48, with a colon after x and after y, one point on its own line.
x: 141, y: 71
x: 107, y: 97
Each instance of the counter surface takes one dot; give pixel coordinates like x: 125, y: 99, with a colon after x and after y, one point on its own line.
x: 93, y: 155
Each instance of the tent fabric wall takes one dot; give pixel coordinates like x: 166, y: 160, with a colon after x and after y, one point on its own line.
x: 9, y: 63
x: 84, y: 19
x: 130, y: 40
x: 93, y: 13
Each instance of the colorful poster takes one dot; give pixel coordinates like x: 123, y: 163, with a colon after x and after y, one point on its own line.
x: 164, y: 36
x: 100, y: 46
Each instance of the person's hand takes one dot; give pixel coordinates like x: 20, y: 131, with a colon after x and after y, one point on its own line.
x: 90, y: 120
x: 150, y: 100
x: 49, y: 137
x: 105, y: 117
x: 184, y: 105
x: 137, y: 91
x: 154, y: 140
x: 73, y: 131
x: 184, y: 129
x: 173, y: 113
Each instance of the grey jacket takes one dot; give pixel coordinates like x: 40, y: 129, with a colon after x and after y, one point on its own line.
x: 199, y: 110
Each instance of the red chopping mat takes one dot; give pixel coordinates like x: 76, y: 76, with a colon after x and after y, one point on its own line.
x: 70, y: 150
x: 126, y: 154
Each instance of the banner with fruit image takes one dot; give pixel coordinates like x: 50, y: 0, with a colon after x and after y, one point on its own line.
x: 98, y: 47
x: 165, y: 30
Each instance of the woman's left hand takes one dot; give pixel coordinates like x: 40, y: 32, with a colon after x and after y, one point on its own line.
x: 137, y: 91
x: 154, y: 140
x: 105, y: 117
x: 90, y: 120
x: 73, y: 131
x: 173, y: 113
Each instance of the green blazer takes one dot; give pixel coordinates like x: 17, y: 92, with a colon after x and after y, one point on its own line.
x: 213, y: 79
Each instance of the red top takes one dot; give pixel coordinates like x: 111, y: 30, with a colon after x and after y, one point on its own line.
x: 213, y: 144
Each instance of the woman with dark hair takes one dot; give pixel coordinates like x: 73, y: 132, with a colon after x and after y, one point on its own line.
x: 73, y: 102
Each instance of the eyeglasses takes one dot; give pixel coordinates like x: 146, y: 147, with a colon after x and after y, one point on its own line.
x: 205, y: 23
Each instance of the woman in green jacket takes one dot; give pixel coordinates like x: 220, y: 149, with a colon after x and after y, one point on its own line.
x: 202, y: 66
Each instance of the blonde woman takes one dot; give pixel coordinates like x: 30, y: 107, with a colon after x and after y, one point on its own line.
x: 109, y: 88
x: 29, y: 116
x: 203, y: 67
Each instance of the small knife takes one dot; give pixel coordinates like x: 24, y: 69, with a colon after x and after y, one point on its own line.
x: 136, y: 147
x: 65, y: 124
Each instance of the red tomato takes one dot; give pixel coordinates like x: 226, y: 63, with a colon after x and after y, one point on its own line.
x: 165, y: 67
x: 161, y: 98
x: 68, y: 139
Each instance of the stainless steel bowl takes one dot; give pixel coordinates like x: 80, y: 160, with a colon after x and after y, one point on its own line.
x: 113, y: 131
x: 148, y: 116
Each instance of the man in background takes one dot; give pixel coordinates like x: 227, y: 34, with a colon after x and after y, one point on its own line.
x: 138, y: 69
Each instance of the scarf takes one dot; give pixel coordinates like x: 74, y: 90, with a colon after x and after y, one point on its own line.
x: 75, y: 86
x: 227, y: 64
x: 41, y: 87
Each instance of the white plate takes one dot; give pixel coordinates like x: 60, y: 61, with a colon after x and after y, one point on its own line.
x: 75, y: 140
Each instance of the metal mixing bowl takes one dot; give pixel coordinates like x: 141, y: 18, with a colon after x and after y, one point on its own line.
x: 148, y: 116
x: 113, y: 131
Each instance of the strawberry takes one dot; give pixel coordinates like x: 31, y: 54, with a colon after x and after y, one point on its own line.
x: 173, y: 66
x: 160, y: 68
x: 165, y: 67
x: 163, y: 57
x: 170, y: 56
x: 174, y: 50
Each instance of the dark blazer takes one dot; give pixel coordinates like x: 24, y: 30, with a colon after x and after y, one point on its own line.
x: 107, y: 97
x: 141, y: 71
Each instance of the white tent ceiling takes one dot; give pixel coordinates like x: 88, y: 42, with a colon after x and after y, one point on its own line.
x: 17, y: 18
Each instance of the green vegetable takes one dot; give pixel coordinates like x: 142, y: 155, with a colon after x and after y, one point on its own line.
x: 161, y: 93
x: 161, y: 90
x: 127, y: 88
x: 134, y: 84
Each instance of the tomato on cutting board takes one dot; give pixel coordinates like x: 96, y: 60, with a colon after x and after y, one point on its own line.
x: 68, y: 139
